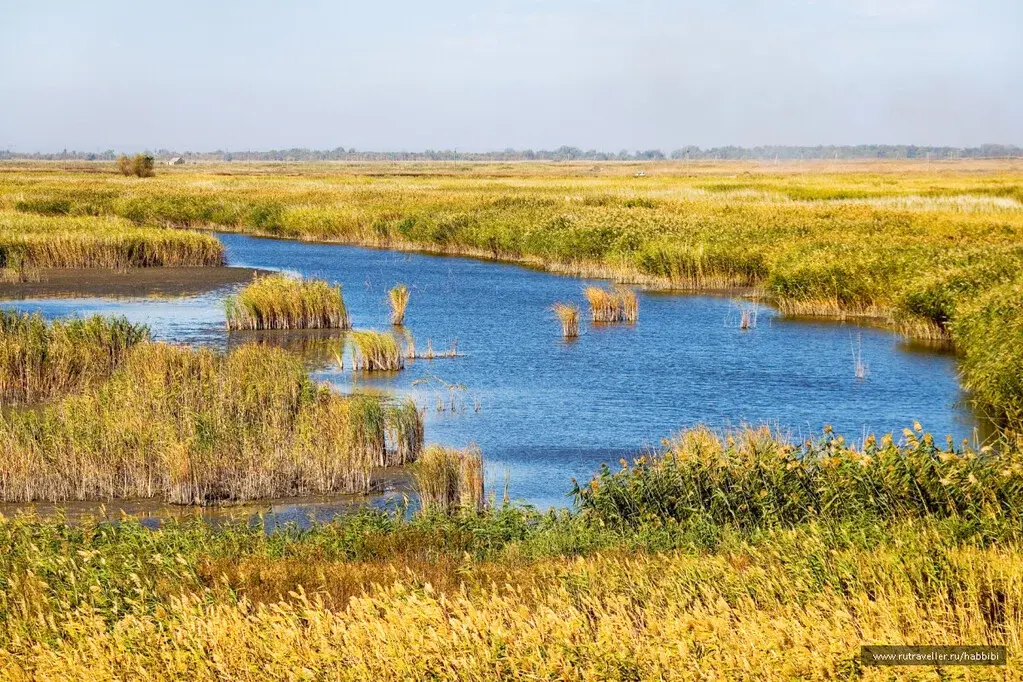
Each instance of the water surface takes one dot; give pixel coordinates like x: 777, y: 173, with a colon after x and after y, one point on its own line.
x: 545, y: 410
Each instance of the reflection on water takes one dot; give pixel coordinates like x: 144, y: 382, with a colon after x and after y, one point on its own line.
x: 545, y: 411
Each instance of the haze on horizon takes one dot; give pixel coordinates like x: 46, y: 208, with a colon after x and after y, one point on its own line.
x: 478, y: 76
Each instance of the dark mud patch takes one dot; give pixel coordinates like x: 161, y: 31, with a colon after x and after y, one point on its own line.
x: 128, y: 283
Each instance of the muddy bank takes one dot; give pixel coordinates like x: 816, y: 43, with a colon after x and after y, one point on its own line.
x: 129, y: 283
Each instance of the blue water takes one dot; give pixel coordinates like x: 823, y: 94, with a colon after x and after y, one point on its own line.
x: 544, y: 410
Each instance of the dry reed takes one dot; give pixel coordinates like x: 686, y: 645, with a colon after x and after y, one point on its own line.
x: 617, y: 305
x: 568, y: 315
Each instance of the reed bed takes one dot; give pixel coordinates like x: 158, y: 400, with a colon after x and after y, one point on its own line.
x: 376, y: 352
x: 450, y: 480
x: 568, y: 315
x: 755, y: 477
x: 283, y: 302
x: 196, y: 427
x: 893, y: 241
x: 398, y: 299
x: 30, y: 241
x: 40, y: 360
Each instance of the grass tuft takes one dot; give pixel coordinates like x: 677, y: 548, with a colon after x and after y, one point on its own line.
x: 568, y: 315
x: 398, y: 298
x: 376, y: 351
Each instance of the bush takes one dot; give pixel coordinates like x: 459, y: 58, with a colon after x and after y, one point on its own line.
x: 140, y: 165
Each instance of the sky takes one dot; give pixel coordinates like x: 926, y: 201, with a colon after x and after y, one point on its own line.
x: 394, y: 75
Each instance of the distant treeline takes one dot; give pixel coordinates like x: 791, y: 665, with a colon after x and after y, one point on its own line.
x: 564, y: 153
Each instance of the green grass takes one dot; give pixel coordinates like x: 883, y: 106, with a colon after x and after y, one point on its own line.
x: 283, y: 302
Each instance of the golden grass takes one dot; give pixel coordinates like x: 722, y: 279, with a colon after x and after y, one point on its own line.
x: 32, y: 241
x: 398, y: 298
x: 617, y: 305
x: 376, y: 351
x: 568, y: 315
x: 625, y: 615
x: 449, y: 480
x: 283, y: 302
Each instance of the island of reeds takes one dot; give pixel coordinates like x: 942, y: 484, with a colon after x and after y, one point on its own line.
x: 568, y: 316
x: 131, y: 418
x: 376, y: 351
x: 283, y: 302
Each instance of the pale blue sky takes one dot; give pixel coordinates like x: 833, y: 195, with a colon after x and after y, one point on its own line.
x: 406, y: 75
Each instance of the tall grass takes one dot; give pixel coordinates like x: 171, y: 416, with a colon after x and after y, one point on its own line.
x: 398, y: 298
x: 40, y: 360
x: 405, y: 432
x: 196, y: 427
x: 568, y: 315
x: 376, y: 351
x: 29, y: 241
x: 449, y: 479
x: 283, y: 302
x: 502, y: 594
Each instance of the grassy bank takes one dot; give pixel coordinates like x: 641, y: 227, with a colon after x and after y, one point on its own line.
x: 934, y: 249
x: 195, y: 427
x: 669, y: 593
x: 30, y: 241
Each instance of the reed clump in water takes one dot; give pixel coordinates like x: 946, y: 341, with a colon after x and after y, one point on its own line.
x: 568, y: 315
x: 282, y: 302
x: 450, y: 480
x: 611, y: 306
x: 196, y: 427
x: 40, y: 360
x: 398, y: 299
x: 376, y: 352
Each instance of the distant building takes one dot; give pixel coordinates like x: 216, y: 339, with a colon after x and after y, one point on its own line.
x: 176, y: 161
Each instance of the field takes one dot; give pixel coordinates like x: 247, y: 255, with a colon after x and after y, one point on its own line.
x: 716, y: 556
x: 507, y: 592
x: 933, y: 249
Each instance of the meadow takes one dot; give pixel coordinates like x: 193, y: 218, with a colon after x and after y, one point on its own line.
x: 511, y: 592
x: 933, y: 249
